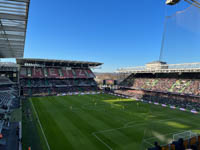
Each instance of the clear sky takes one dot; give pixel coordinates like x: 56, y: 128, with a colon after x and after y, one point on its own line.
x: 118, y: 33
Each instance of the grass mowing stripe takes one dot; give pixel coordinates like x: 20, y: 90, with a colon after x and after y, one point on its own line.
x: 40, y: 125
x: 76, y: 124
x: 50, y: 123
x: 85, y: 119
x: 72, y: 126
x: 32, y: 136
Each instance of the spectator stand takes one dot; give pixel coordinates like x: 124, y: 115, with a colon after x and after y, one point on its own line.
x: 41, y: 77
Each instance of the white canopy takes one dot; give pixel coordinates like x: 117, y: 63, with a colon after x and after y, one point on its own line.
x: 13, y: 25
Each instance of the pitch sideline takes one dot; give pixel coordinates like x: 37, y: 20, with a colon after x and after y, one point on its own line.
x: 38, y: 119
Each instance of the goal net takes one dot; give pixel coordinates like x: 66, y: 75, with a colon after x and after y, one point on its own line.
x: 184, y: 135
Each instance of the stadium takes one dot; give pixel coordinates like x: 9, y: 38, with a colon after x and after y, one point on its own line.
x: 53, y: 104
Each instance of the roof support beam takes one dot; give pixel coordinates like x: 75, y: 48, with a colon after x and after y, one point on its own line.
x: 10, y: 28
x: 11, y: 41
x: 25, y: 1
x: 12, y: 17
x: 15, y: 4
x: 11, y: 36
x: 12, y: 46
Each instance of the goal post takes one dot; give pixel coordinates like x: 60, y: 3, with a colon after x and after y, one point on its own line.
x: 184, y: 135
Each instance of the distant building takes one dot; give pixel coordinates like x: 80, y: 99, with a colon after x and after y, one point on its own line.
x: 155, y: 65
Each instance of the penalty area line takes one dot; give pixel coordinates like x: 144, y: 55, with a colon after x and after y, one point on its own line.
x: 40, y: 126
x: 124, y: 127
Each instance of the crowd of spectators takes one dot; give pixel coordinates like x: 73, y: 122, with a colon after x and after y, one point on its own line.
x: 181, y: 101
x: 172, y: 101
x: 57, y: 82
x: 57, y: 90
x: 53, y: 86
x: 171, y: 85
x: 188, y: 144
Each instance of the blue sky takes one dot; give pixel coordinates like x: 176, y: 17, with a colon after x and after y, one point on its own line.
x: 118, y: 33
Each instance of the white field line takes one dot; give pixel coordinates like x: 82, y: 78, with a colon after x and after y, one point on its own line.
x: 98, y: 138
x: 109, y: 130
x: 131, y: 122
x: 143, y: 137
x: 127, y: 124
x: 124, y: 127
x: 148, y: 142
x: 41, y: 126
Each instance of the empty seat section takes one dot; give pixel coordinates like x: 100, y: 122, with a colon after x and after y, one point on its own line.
x: 90, y: 73
x: 37, y: 73
x: 53, y: 73
x: 60, y: 72
x: 67, y: 73
x: 80, y: 73
x: 23, y: 73
x: 74, y: 73
x: 29, y: 73
x: 45, y: 72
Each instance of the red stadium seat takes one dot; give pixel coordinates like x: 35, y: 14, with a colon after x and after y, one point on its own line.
x: 80, y: 73
x: 90, y: 73
x: 37, y: 73
x: 23, y: 72
x: 53, y: 73
x: 67, y: 73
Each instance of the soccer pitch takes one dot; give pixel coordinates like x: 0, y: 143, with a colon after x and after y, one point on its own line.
x: 106, y: 122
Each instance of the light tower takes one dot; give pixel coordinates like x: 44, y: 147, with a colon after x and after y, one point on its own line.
x: 172, y: 2
x: 195, y: 3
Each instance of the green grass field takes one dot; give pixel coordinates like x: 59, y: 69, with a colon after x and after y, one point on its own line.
x: 103, y: 122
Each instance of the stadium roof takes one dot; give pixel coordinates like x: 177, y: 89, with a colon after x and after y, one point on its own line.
x: 13, y: 26
x: 56, y: 62
x: 157, y: 62
x: 8, y: 64
x: 166, y: 68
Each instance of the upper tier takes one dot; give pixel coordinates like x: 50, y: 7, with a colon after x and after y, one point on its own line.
x: 59, y: 73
